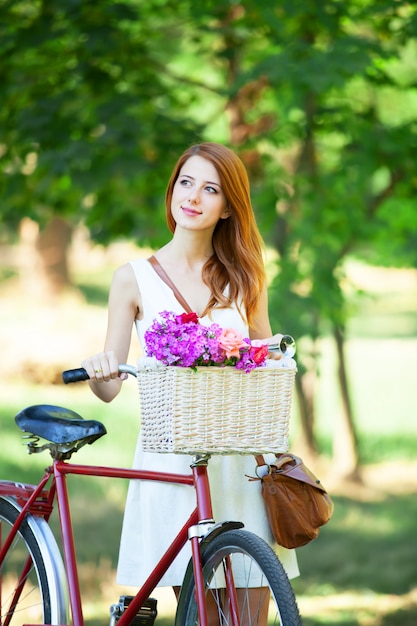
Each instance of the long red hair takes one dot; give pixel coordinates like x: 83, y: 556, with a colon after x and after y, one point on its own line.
x: 237, y: 260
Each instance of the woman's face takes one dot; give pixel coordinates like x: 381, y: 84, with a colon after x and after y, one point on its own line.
x: 198, y: 201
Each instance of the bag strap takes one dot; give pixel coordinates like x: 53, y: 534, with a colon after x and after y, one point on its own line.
x: 266, y: 469
x: 295, y: 469
x: 164, y: 276
x: 280, y: 459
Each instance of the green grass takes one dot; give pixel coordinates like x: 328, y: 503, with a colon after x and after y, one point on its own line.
x: 382, y: 374
x: 366, y: 546
x: 368, y: 550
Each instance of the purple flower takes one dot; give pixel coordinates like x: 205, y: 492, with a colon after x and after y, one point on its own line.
x: 181, y: 340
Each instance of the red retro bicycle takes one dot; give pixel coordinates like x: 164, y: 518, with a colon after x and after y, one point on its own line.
x: 39, y: 586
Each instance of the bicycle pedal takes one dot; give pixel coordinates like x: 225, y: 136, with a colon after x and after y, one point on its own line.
x: 144, y: 617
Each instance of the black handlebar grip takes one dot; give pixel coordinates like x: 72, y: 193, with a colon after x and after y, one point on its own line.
x: 75, y: 376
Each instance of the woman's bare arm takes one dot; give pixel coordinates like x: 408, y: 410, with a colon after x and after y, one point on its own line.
x: 123, y: 308
x: 262, y: 328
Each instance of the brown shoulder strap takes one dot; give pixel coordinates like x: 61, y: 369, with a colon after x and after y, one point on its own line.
x: 280, y: 459
x: 164, y: 276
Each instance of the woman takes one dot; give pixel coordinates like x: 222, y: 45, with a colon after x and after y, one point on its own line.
x: 214, y: 259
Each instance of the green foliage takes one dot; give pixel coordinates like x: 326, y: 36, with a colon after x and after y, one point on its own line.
x: 341, y: 161
x: 87, y: 123
x: 319, y: 98
x: 95, y: 112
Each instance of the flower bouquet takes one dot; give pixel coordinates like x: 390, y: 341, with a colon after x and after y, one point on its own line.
x: 209, y: 389
x: 181, y: 340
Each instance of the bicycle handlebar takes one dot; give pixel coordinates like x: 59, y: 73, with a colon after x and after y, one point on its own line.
x: 75, y: 376
x: 79, y: 374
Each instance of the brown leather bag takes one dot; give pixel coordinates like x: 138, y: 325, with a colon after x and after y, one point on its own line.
x: 296, y: 502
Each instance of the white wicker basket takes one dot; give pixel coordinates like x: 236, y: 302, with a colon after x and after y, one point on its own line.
x: 215, y: 410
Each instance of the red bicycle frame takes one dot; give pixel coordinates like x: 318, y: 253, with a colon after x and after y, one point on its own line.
x: 39, y: 501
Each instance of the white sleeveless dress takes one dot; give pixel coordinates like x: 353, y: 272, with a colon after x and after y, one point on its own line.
x: 155, y: 512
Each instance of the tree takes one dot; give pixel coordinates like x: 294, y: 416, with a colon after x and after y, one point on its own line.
x: 341, y: 158
x: 87, y: 124
x: 307, y: 85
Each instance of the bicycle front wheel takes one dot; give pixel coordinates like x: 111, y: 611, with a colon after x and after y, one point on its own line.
x: 260, y: 586
x: 32, y: 587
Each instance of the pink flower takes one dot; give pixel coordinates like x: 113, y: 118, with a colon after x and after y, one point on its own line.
x: 231, y: 341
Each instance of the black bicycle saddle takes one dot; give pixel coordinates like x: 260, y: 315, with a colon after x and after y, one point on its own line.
x: 58, y: 425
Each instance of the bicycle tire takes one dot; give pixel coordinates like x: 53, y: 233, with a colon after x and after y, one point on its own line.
x: 257, y: 565
x: 43, y: 598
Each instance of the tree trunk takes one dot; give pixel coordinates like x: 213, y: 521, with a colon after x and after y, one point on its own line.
x: 43, y: 262
x: 305, y: 388
x: 345, y: 441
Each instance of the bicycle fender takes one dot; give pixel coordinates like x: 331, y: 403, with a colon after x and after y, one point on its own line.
x: 218, y: 529
x: 215, y: 531
x: 52, y: 561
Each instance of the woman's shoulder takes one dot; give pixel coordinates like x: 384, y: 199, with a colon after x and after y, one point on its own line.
x: 125, y: 273
x: 134, y: 274
x: 123, y: 281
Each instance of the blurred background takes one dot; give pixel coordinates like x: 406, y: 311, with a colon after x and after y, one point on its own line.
x: 319, y: 99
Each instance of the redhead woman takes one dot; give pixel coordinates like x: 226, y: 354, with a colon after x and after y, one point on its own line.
x: 215, y: 260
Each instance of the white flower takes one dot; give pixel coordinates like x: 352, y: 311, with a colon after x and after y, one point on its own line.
x: 286, y: 361
x: 149, y: 363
